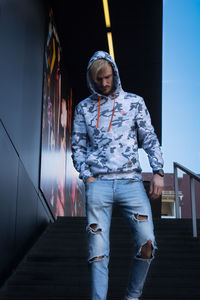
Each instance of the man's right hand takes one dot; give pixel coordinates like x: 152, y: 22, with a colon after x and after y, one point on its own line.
x: 90, y: 179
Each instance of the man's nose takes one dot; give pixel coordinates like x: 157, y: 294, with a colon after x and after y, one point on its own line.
x: 104, y: 82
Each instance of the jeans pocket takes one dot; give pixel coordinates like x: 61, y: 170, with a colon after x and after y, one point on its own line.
x: 88, y: 183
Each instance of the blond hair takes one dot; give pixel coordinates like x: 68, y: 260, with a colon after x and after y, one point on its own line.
x: 97, y: 65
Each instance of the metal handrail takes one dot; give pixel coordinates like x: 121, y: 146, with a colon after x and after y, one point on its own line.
x: 193, y: 177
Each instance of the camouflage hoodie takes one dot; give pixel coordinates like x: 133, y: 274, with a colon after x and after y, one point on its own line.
x: 112, y: 153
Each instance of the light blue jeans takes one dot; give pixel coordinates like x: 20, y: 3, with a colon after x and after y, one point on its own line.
x: 132, y: 200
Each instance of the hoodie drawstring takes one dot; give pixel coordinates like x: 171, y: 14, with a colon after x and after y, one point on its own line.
x: 99, y: 113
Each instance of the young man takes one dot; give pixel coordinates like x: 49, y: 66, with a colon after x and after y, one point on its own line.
x: 105, y: 153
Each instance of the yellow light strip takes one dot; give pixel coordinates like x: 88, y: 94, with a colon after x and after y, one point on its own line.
x: 106, y: 13
x: 110, y: 45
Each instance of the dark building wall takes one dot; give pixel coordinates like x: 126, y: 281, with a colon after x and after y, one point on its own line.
x: 23, y: 211
x: 21, y: 76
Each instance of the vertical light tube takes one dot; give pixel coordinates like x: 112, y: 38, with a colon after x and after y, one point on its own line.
x: 106, y: 13
x: 110, y: 45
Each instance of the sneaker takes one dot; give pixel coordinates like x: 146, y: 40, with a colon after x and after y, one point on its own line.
x: 130, y: 298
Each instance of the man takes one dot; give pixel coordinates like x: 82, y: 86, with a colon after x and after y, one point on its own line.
x: 105, y: 153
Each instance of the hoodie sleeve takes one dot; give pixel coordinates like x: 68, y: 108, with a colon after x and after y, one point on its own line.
x: 80, y: 144
x: 147, y: 137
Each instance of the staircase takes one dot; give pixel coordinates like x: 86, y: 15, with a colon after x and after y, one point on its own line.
x: 56, y: 268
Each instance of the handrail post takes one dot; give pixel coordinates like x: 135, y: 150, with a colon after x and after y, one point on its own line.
x: 194, y: 218
x: 193, y: 177
x: 176, y: 191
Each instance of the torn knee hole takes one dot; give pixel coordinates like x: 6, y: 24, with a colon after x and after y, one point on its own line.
x: 141, y: 217
x: 96, y: 258
x: 146, y: 250
x: 94, y: 228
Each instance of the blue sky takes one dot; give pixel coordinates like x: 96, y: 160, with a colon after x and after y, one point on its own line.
x: 180, y: 85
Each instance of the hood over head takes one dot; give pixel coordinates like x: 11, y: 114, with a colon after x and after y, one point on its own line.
x: 116, y: 78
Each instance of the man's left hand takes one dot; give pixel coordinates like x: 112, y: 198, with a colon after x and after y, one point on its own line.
x: 156, y: 186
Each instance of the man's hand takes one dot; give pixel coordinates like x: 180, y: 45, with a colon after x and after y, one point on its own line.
x: 156, y: 186
x: 90, y: 179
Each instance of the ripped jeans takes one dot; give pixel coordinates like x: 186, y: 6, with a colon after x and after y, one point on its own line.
x: 133, y: 202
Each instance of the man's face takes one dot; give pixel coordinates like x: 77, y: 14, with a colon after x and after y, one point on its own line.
x: 104, y: 80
